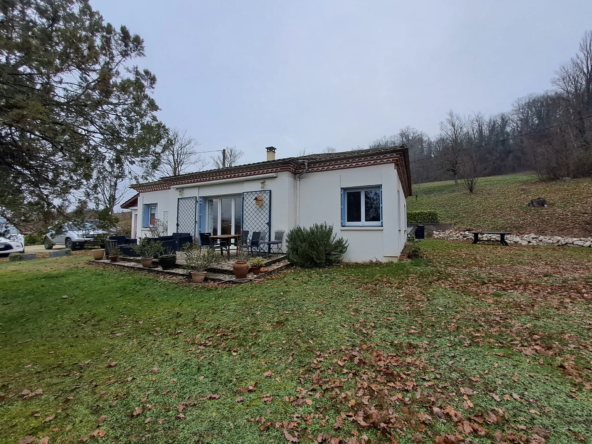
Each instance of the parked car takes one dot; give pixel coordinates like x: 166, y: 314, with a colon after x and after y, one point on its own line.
x: 11, y: 240
x: 74, y: 235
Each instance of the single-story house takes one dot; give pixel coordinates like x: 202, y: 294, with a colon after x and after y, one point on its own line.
x: 361, y: 193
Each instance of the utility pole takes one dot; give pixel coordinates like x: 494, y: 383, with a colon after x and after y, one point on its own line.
x: 224, y: 158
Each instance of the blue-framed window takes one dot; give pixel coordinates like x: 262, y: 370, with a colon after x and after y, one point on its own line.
x: 361, y: 207
x: 148, y: 215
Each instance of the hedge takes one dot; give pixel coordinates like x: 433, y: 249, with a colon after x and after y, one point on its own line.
x: 34, y: 239
x: 422, y: 217
x: 16, y: 257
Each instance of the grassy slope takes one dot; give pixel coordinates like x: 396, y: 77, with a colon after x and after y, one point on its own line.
x: 500, y: 203
x: 501, y: 326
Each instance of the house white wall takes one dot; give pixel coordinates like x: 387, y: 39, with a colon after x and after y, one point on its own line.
x: 320, y: 201
x: 315, y: 198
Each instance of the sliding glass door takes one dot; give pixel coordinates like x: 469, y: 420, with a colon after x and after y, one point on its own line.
x: 225, y: 215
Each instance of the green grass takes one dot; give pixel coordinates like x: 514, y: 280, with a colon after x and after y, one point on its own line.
x: 500, y: 203
x: 357, y: 338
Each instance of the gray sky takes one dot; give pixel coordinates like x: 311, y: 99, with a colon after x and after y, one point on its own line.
x: 341, y: 73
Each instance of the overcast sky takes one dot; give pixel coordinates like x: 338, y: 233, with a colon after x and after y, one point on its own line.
x: 340, y: 73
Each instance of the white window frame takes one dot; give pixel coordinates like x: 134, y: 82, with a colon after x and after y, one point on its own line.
x: 218, y: 216
x: 363, y: 222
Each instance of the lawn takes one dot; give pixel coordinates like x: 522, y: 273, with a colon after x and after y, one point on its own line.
x: 500, y: 204
x: 474, y: 341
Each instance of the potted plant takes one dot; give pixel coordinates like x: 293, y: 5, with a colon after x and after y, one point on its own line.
x: 256, y: 264
x: 241, y: 266
x: 114, y: 254
x: 199, y: 259
x: 98, y: 254
x: 147, y: 250
x: 168, y: 259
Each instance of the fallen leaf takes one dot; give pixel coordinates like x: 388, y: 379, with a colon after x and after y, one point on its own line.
x: 180, y: 416
x: 289, y: 437
x: 268, y: 374
x: 137, y: 411
x: 112, y: 364
x: 239, y: 399
x: 26, y: 440
x: 102, y: 419
x: 494, y: 396
x: 49, y: 419
x: 99, y: 433
x: 44, y: 441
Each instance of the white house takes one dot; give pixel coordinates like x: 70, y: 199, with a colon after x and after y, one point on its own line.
x: 361, y: 193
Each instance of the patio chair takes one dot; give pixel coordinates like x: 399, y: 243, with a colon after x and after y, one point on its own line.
x: 276, y: 244
x: 255, y: 242
x: 243, y: 242
x: 206, y: 241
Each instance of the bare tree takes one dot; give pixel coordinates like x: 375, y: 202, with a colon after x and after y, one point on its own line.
x: 179, y: 154
x: 454, y: 133
x: 329, y: 150
x: 229, y: 158
x: 301, y: 153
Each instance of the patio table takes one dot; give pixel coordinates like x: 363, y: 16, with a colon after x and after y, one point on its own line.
x: 227, y: 238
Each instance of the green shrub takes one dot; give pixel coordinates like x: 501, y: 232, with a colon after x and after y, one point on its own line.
x: 316, y: 246
x: 16, y: 257
x: 422, y: 217
x: 257, y: 262
x: 34, y: 239
x: 68, y: 252
x: 414, y: 251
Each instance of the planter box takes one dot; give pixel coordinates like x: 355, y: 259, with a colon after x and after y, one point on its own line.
x: 57, y: 253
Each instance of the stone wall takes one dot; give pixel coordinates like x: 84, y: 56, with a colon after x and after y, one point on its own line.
x: 524, y: 239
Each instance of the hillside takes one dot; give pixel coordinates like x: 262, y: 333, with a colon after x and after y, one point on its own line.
x: 500, y: 204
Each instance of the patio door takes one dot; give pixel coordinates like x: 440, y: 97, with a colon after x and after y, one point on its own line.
x: 224, y: 215
x: 187, y: 215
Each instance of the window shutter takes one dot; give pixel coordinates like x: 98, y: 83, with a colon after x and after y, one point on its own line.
x: 145, y: 216
x: 343, y: 208
x: 381, y: 221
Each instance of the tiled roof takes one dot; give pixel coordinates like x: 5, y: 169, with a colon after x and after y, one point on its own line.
x: 289, y: 163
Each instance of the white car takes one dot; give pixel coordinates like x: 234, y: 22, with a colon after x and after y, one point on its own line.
x: 11, y: 241
x: 73, y: 235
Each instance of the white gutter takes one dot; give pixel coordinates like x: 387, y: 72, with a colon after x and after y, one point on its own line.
x: 234, y: 179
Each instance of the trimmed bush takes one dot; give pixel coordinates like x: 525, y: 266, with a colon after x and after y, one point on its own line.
x: 422, y: 217
x: 34, y: 239
x: 16, y: 257
x: 68, y: 252
x: 316, y: 246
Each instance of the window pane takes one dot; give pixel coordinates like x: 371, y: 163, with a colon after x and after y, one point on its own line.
x: 238, y: 215
x: 372, y: 206
x: 354, y: 206
x: 152, y: 214
x: 213, y: 216
x: 226, y: 216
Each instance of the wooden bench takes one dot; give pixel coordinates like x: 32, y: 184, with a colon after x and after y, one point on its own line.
x: 501, y: 234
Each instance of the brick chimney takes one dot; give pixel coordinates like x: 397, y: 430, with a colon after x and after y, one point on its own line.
x: 270, y: 153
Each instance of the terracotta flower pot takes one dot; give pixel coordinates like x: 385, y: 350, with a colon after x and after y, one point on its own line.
x: 241, y: 269
x: 98, y: 254
x: 198, y: 276
x: 146, y: 262
x: 256, y: 270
